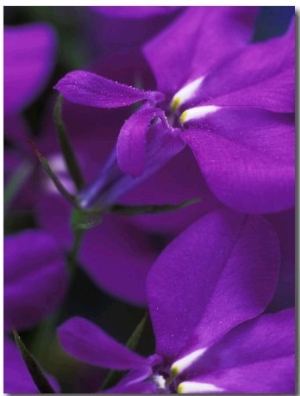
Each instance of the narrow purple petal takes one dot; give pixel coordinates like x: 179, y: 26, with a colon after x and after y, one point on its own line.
x: 87, y: 342
x: 256, y: 357
x: 247, y: 157
x: 219, y: 272
x: 90, y: 89
x: 131, y: 144
x: 35, y: 278
x: 29, y: 54
x: 204, y: 37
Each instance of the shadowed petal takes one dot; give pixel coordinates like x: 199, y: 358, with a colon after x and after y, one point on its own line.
x: 35, y: 278
x: 28, y: 60
x: 134, y: 12
x: 118, y: 256
x: 87, y: 342
x: 219, y: 272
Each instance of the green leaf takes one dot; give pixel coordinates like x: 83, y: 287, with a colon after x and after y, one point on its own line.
x: 16, y: 182
x: 133, y: 210
x: 34, y: 369
x: 136, y: 335
x: 66, y: 147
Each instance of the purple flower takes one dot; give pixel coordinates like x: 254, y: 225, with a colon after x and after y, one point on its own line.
x: 207, y: 293
x: 121, y: 272
x: 232, y: 103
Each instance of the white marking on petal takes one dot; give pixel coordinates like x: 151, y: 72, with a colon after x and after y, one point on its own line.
x: 180, y: 365
x: 197, y: 387
x: 185, y: 93
x: 197, y: 112
x: 160, y: 381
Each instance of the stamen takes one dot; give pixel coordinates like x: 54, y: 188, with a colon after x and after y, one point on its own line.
x: 197, y: 387
x: 180, y: 365
x: 185, y: 93
x: 160, y: 381
x: 197, y: 112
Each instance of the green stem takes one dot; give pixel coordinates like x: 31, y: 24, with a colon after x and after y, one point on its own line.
x: 66, y: 147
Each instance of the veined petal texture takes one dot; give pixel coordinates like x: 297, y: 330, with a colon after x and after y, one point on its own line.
x: 247, y: 157
x: 205, y: 36
x: 219, y: 272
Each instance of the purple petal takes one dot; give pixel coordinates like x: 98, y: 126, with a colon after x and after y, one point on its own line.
x: 35, y: 278
x: 18, y: 132
x: 256, y: 357
x: 134, y: 12
x: 262, y: 75
x: 285, y: 296
x: 131, y: 144
x: 88, y: 343
x: 172, y: 185
x: 29, y: 54
x: 247, y: 158
x: 89, y: 89
x: 204, y: 37
x: 118, y: 256
x: 219, y: 272
x: 16, y: 376
x: 135, y: 382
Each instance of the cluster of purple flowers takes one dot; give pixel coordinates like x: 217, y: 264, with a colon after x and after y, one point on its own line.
x: 192, y: 107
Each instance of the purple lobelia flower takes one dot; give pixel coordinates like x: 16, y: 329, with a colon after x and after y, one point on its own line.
x: 121, y: 272
x: 230, y: 101
x: 207, y: 293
